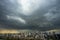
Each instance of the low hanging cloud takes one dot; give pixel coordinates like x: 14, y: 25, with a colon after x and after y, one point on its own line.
x: 30, y: 14
x: 19, y: 19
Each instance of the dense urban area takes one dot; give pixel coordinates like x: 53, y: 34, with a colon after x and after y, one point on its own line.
x: 31, y: 36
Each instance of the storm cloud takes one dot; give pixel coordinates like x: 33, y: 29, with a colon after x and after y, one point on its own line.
x: 30, y: 14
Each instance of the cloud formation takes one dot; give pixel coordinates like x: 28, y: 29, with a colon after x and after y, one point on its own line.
x: 30, y: 14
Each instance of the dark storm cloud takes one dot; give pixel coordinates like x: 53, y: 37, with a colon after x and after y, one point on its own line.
x: 44, y: 18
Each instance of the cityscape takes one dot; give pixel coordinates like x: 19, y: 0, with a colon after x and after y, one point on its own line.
x: 35, y: 35
x: 29, y: 19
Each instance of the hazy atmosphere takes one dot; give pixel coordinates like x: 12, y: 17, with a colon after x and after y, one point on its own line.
x: 30, y: 14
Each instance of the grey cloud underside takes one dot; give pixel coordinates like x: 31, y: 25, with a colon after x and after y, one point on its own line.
x: 45, y: 18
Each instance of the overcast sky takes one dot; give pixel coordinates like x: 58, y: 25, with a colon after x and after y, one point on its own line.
x: 30, y: 14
